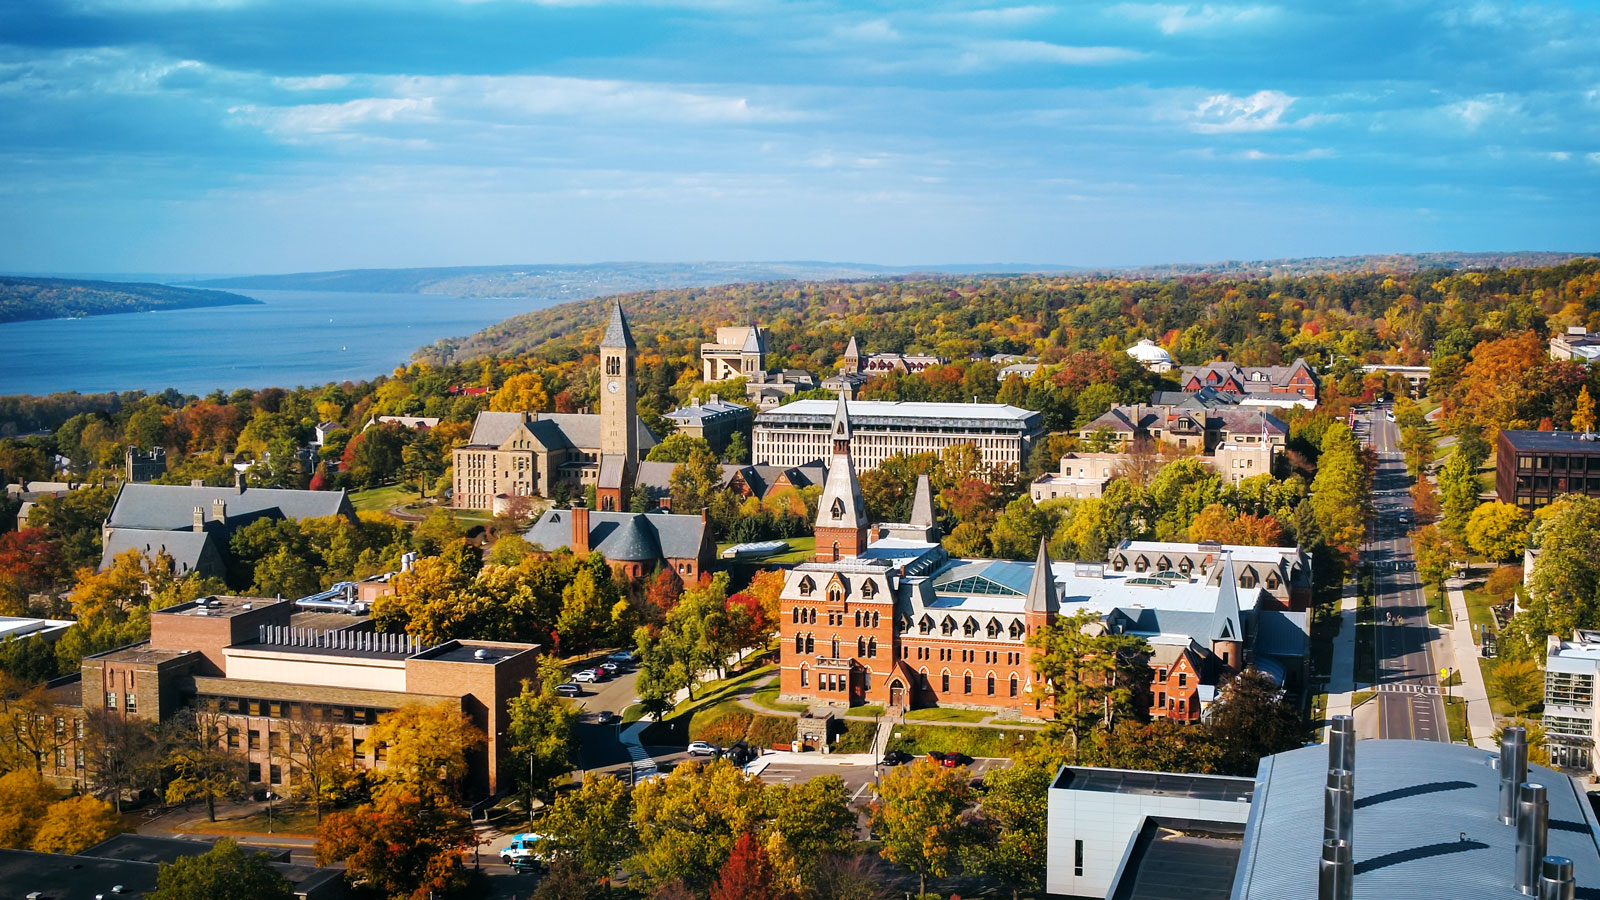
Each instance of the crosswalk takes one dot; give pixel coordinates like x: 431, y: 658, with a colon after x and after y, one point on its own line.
x: 1406, y: 689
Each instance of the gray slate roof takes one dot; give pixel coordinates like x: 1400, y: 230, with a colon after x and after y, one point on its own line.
x: 630, y: 537
x: 170, y: 507
x: 191, y: 551
x: 554, y: 431
x: 617, y: 332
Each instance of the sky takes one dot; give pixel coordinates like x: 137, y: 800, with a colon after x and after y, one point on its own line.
x: 227, y: 136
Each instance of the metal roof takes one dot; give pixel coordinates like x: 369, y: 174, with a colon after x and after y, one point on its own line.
x: 628, y: 537
x: 171, y: 506
x: 1557, y: 441
x: 1426, y: 825
x: 1180, y: 860
x: 1165, y: 784
x: 870, y: 413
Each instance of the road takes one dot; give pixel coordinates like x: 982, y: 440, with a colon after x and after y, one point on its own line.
x: 1409, y: 704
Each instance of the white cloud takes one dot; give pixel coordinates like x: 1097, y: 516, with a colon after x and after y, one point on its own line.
x: 1475, y: 111
x: 1225, y: 113
x: 988, y: 54
x: 1001, y: 17
x: 1593, y: 158
x: 1301, y: 156
x: 1176, y: 19
x: 870, y: 31
x: 331, y: 118
x: 1559, y: 155
x: 313, y: 83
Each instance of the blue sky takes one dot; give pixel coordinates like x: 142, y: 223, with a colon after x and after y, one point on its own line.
x: 240, y: 136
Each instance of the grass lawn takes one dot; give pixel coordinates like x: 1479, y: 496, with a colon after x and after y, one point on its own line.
x: 768, y: 697
x: 994, y: 742
x: 1319, y: 711
x: 1439, y: 609
x: 382, y: 498
x: 942, y: 714
x: 1455, y: 712
x: 1360, y: 697
x: 857, y: 738
x: 1478, y: 604
x: 286, y: 819
x: 865, y: 710
x: 673, y: 729
x: 801, y: 549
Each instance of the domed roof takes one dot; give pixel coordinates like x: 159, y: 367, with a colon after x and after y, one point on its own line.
x: 1148, y: 351
x: 633, y: 540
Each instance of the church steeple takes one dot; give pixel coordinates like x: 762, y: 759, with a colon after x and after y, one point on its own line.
x: 619, y: 435
x: 841, y: 512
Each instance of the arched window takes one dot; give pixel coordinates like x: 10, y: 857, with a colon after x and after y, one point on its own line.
x: 836, y: 595
x: 923, y: 681
x: 796, y: 612
x: 835, y: 551
x: 805, y: 676
x: 858, y: 618
x: 944, y: 682
x: 799, y: 644
x: 811, y: 644
x: 991, y: 684
x: 861, y: 646
x: 874, y: 620
x: 835, y: 646
x: 872, y: 648
x: 1013, y: 685
x: 966, y: 683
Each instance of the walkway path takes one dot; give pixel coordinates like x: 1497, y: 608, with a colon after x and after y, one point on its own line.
x: 1465, y: 655
x: 1342, y: 683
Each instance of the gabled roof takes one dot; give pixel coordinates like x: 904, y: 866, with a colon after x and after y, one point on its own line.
x: 922, y: 504
x: 618, y: 335
x: 191, y: 551
x: 1042, y: 596
x: 1226, y: 621
x: 624, y: 537
x: 170, y: 507
x: 553, y: 431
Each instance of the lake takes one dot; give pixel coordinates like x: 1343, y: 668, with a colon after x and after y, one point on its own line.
x: 294, y: 338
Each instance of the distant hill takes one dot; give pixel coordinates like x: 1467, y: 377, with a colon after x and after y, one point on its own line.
x: 582, y: 282
x: 65, y: 298
x: 1398, y: 263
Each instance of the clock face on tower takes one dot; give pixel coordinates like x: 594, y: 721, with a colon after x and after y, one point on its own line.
x: 613, y: 387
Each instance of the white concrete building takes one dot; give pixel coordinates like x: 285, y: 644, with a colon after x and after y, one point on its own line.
x: 1570, y: 725
x: 800, y: 432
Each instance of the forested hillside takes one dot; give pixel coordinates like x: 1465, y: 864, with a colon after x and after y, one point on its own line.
x: 62, y: 298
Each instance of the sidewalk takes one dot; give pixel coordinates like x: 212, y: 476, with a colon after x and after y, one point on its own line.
x: 1341, y: 680
x: 1464, y: 655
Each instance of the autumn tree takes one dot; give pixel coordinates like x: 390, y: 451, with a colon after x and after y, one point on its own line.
x: 1583, y: 417
x: 1520, y: 683
x: 76, y: 824
x: 402, y: 844
x: 677, y: 448
x: 524, y: 392
x: 122, y: 755
x: 321, y: 771
x: 592, y: 827
x: 811, y: 820
x: 24, y: 798
x: 747, y: 875
x: 427, y: 747
x: 201, y: 764
x: 695, y: 481
x: 222, y: 873
x: 687, y: 822
x: 1091, y: 674
x: 1498, y: 531
x: 1252, y: 718
x: 918, y: 817
x: 1014, y: 839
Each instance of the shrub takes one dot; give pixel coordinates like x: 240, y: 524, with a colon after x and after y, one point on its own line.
x: 768, y: 730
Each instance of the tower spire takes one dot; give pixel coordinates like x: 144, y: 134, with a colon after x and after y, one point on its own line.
x: 618, y: 336
x: 841, y: 511
x: 1042, y: 597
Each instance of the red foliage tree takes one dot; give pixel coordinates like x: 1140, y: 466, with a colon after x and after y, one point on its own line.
x: 319, y: 479
x: 747, y: 875
x: 664, y: 590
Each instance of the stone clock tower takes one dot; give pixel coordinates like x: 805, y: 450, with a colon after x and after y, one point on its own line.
x: 619, y: 435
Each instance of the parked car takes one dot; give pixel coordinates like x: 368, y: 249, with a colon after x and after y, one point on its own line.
x: 569, y: 690
x: 702, y: 748
x: 936, y: 757
x: 896, y: 757
x: 622, y: 656
x: 587, y: 675
x: 610, y: 668
x: 605, y: 717
x: 951, y: 760
x: 522, y: 854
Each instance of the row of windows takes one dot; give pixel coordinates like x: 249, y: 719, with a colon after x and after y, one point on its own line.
x: 1567, y: 726
x: 970, y: 628
x: 278, y: 709
x: 1560, y: 462
x: 808, y: 616
x: 1569, y: 689
x: 130, y: 702
x: 966, y: 683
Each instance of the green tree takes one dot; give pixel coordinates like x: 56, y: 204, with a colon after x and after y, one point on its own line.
x: 678, y: 448
x: 1498, y: 531
x: 695, y: 481
x: 1016, y: 835
x: 1252, y: 718
x: 1089, y: 673
x: 586, y: 607
x: 688, y: 821
x: 592, y: 827
x: 541, y: 735
x: 202, y: 766
x: 811, y: 820
x: 221, y: 873
x: 1458, y: 496
x: 1020, y: 527
x: 918, y: 817
x: 1340, y: 493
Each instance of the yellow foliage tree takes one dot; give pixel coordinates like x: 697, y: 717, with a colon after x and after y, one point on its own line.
x: 24, y: 798
x: 76, y: 824
x: 520, y: 393
x: 427, y: 749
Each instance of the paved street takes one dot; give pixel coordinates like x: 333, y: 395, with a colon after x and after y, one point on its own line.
x: 1408, y: 698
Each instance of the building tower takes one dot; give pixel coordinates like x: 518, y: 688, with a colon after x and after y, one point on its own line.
x: 841, y: 513
x: 1227, y: 630
x: 619, y: 436
x: 753, y: 355
x: 1042, y: 606
x: 852, y: 358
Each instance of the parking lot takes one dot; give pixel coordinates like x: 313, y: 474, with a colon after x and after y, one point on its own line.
x: 858, y: 779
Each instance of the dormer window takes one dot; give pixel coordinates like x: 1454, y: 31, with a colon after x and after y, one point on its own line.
x: 994, y: 629
x: 948, y: 626
x: 1016, y: 630
x: 807, y: 586
x: 1248, y: 578
x: 969, y: 627
x: 925, y: 624
x: 868, y: 589
x: 837, y: 509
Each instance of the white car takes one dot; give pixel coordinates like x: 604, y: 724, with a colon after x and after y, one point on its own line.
x: 701, y: 748
x: 523, y: 851
x: 586, y: 676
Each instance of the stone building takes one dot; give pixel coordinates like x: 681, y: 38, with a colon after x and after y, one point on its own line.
x: 798, y: 433
x: 140, y: 467
x: 521, y: 454
x: 1295, y: 378
x: 635, y: 544
x: 715, y: 421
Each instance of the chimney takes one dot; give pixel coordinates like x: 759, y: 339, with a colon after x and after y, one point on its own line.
x: 705, y: 515
x: 199, y: 518
x: 195, y: 482
x: 1533, y: 835
x: 580, y: 528
x: 1336, y: 872
x: 1513, y: 771
x: 1556, y: 881
x: 1338, y: 807
x: 715, y: 399
x: 238, y: 482
x: 219, y: 510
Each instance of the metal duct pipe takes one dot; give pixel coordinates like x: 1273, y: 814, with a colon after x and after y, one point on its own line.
x: 1533, y: 835
x: 1338, y: 807
x: 1342, y: 743
x: 1336, y: 873
x: 1556, y: 881
x: 1513, y: 771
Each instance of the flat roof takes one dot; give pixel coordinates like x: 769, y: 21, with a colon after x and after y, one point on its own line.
x: 1426, y: 824
x: 218, y: 607
x: 467, y: 652
x: 1181, y: 860
x: 1558, y: 441
x: 867, y: 413
x: 330, y: 621
x: 153, y: 849
x: 142, y: 653
x: 18, y: 626
x: 1163, y: 784
x: 72, y: 877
